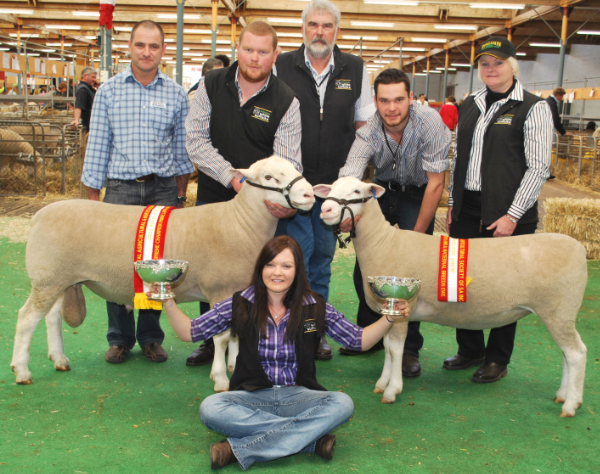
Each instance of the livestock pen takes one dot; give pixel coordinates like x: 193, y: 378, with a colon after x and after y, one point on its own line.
x: 143, y: 417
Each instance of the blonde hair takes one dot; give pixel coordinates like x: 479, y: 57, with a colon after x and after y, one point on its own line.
x: 514, y: 64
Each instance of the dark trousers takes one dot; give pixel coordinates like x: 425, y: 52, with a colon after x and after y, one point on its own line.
x: 501, y: 341
x: 121, y: 323
x: 400, y: 208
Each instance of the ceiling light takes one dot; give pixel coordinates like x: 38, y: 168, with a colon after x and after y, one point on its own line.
x: 16, y: 11
x: 193, y: 54
x: 14, y: 35
x: 169, y: 40
x: 372, y: 23
x: 171, y: 62
x: 167, y: 58
x: 443, y: 68
x: 197, y: 32
x: 411, y: 49
x: 588, y: 32
x: 392, y: 2
x: 218, y: 41
x: 435, y: 72
x: 356, y: 37
x: 505, y: 6
x: 296, y: 45
x: 521, y: 54
x: 420, y: 74
x: 222, y: 50
x: 91, y: 37
x: 461, y: 64
x: 63, y: 27
x: 285, y: 20
x: 33, y: 54
x: 123, y: 28
x: 86, y: 13
x: 4, y: 49
x: 175, y: 47
x: 428, y: 40
x: 455, y: 27
x: 174, y: 16
x: 58, y: 44
x: 545, y: 45
x: 48, y: 50
x: 293, y: 35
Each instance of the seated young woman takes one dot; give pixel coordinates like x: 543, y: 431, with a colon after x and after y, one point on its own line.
x: 275, y: 407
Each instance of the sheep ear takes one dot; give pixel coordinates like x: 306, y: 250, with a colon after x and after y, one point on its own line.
x: 322, y: 190
x: 244, y: 173
x: 376, y: 190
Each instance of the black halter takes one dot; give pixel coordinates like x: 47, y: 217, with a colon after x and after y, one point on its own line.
x: 336, y: 228
x: 285, y: 191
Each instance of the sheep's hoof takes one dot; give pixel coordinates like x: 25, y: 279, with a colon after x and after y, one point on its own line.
x: 386, y: 401
x: 231, y: 368
x: 559, y: 400
x: 579, y: 405
x: 564, y: 414
x: 221, y: 390
x: 24, y: 382
x: 63, y: 368
x: 378, y: 390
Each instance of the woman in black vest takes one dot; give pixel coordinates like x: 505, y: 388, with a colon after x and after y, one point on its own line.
x: 503, y: 147
x: 275, y: 406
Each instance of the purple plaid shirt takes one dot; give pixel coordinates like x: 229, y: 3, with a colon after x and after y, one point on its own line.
x: 277, y: 357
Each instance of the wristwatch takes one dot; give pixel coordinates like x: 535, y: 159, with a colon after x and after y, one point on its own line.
x: 181, y: 199
x: 512, y: 219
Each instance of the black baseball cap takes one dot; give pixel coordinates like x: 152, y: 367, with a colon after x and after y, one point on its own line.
x: 497, y: 46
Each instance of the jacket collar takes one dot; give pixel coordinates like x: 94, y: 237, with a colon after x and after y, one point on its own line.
x: 517, y: 94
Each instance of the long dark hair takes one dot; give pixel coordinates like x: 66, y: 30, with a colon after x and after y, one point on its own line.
x: 256, y: 319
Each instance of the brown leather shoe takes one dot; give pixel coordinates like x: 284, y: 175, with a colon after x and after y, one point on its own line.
x: 203, y: 355
x: 459, y: 362
x: 116, y: 354
x: 489, y: 372
x: 411, y: 367
x: 155, y: 352
x: 221, y: 455
x: 324, y: 351
x: 325, y: 446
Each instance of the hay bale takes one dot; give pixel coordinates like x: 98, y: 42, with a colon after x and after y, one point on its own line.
x: 577, y: 218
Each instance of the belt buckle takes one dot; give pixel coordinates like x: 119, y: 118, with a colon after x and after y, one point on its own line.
x: 137, y: 180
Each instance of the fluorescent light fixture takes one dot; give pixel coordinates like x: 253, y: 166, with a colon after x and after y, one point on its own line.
x: 167, y: 58
x: 411, y: 49
x: 223, y: 50
x: 435, y: 72
x: 4, y: 49
x: 428, y: 40
x: 33, y: 54
x: 285, y: 20
x: 420, y: 74
x: 58, y: 44
x: 86, y: 13
x: 501, y: 6
x: 175, y: 47
x: 461, y: 65
x: 197, y: 32
x: 91, y: 37
x: 169, y: 40
x: 455, y: 27
x: 123, y: 28
x: 14, y: 35
x: 125, y: 60
x: 443, y: 68
x: 196, y: 59
x: 218, y: 41
x: 48, y: 50
x: 291, y: 35
x: 296, y: 45
x: 357, y: 37
x: 174, y: 16
x: 63, y: 27
x: 16, y: 11
x: 372, y: 23
x: 193, y: 54
x: 588, y: 32
x: 521, y: 54
x: 545, y: 45
x: 171, y: 62
x: 392, y: 2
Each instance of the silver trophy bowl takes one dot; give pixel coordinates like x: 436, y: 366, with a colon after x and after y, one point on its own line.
x: 393, y: 289
x: 163, y: 273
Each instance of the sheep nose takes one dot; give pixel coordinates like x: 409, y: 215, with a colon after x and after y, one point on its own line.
x: 326, y: 210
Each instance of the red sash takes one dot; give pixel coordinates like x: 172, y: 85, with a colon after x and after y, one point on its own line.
x: 452, y: 276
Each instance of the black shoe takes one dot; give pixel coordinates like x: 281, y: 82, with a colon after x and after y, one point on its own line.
x: 411, y: 367
x: 459, y: 362
x: 489, y: 372
x: 551, y: 177
x: 203, y: 355
x: 325, y: 446
x: 324, y: 351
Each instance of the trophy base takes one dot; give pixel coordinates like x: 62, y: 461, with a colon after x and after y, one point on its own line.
x: 390, y: 309
x: 162, y: 294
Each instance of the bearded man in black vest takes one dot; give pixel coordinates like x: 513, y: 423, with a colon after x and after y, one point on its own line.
x: 335, y: 98
x: 241, y: 114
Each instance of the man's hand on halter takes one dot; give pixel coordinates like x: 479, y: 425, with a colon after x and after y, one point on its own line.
x: 279, y: 211
x: 346, y: 226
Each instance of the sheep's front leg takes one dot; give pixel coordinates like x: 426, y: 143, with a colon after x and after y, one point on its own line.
x: 234, y: 349
x: 397, y: 335
x: 56, y: 350
x: 218, y: 372
x: 384, y: 380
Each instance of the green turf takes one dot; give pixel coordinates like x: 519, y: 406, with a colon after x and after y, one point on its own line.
x: 143, y: 417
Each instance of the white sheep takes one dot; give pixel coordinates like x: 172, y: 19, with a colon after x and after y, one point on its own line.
x: 545, y: 274
x: 91, y: 243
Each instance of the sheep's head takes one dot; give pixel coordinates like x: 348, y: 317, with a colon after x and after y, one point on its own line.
x: 344, y: 189
x: 275, y: 172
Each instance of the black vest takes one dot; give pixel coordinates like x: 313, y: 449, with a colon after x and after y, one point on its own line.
x: 249, y: 374
x: 242, y: 134
x: 503, y: 163
x: 326, y: 143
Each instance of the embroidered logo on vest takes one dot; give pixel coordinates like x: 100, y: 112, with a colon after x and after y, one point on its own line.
x: 261, y: 114
x: 504, y: 120
x: 310, y: 325
x: 343, y: 84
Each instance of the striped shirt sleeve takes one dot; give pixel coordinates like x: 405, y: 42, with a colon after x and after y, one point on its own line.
x: 97, y: 153
x: 364, y: 107
x: 341, y: 330
x: 288, y: 136
x: 538, y: 150
x: 215, y: 321
x: 364, y: 148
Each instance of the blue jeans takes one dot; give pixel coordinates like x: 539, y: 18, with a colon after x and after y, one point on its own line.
x: 274, y: 422
x: 317, y: 242
x: 400, y: 208
x: 121, y: 323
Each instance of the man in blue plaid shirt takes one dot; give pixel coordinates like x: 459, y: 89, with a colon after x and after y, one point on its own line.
x: 137, y: 145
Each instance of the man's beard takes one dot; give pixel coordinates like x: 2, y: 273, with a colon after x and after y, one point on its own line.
x: 253, y: 79
x: 318, y: 48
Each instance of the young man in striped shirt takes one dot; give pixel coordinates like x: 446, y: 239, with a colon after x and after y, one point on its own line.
x: 408, y: 146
